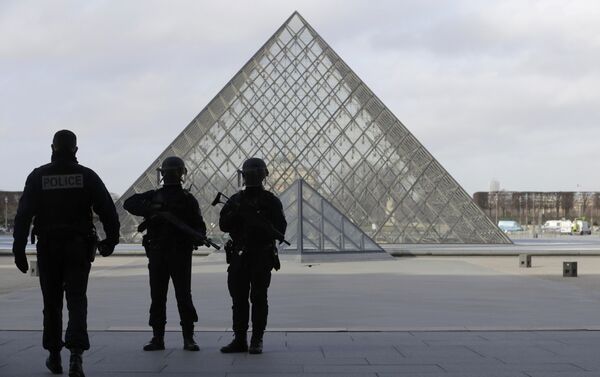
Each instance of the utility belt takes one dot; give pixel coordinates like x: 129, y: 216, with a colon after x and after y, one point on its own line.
x: 164, y: 244
x: 64, y: 234
x: 235, y: 252
x: 152, y: 243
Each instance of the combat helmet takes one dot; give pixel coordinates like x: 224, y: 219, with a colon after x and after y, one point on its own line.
x: 254, y: 171
x: 173, y: 170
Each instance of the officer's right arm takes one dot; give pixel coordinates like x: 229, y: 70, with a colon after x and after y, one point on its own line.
x: 104, y: 206
x: 139, y: 204
x: 279, y: 221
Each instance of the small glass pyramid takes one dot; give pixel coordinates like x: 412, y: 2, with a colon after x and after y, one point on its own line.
x: 316, y: 226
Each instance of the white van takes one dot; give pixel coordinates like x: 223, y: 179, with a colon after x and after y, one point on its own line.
x: 552, y: 226
x: 566, y: 227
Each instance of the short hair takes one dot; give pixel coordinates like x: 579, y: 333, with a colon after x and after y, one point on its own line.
x: 64, y: 140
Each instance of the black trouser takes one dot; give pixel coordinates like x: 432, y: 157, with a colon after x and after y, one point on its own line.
x: 250, y: 275
x: 177, y: 265
x: 64, y: 266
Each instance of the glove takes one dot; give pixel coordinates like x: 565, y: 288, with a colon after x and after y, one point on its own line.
x: 18, y: 250
x: 106, y: 247
x: 21, y: 262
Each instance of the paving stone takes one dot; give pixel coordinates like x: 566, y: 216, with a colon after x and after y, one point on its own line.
x: 322, y: 339
x: 359, y: 350
x: 439, y: 352
x: 399, y: 368
x: 549, y: 366
x: 207, y: 366
x: 384, y: 338
x: 562, y: 374
x: 461, y: 374
x: 345, y: 374
x: 271, y: 359
x: 514, y: 353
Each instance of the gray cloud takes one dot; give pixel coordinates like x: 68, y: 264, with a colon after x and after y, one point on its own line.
x: 505, y: 89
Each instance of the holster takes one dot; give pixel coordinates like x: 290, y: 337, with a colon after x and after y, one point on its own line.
x: 92, y: 244
x: 232, y: 250
x: 153, y: 244
x: 276, y: 261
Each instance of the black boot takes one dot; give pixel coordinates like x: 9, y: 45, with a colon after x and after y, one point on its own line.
x: 157, y: 342
x: 256, y: 343
x: 238, y: 344
x: 76, y: 363
x: 54, y: 363
x: 188, y: 338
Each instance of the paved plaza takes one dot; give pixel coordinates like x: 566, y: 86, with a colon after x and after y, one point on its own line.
x: 417, y: 316
x: 416, y: 354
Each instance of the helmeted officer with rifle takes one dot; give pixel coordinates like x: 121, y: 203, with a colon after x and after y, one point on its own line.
x: 175, y: 228
x: 60, y: 197
x: 254, y: 219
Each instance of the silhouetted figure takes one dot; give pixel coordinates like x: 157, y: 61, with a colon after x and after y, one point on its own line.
x: 248, y: 216
x: 59, y: 197
x: 169, y: 249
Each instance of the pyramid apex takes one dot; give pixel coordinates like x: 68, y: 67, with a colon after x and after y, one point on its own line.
x: 295, y: 21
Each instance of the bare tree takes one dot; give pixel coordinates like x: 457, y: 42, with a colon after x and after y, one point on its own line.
x: 516, y: 206
x: 586, y: 199
x: 595, y: 205
x: 566, y: 202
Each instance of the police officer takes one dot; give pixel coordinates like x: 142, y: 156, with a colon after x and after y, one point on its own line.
x: 169, y: 249
x: 59, y: 197
x: 249, y: 217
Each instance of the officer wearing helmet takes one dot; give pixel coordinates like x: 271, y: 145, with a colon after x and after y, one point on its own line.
x: 59, y: 197
x: 249, y: 273
x: 169, y: 250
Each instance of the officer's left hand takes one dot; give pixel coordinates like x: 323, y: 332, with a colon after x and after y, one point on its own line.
x: 106, y: 248
x: 21, y: 263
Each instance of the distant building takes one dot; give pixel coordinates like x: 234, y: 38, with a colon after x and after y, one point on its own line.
x: 9, y: 200
x: 536, y: 207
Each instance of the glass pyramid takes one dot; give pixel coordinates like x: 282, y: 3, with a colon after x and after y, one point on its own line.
x: 316, y: 226
x: 298, y: 106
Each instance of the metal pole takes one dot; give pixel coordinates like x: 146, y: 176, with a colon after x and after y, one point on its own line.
x: 299, y: 236
x: 496, y: 207
x: 6, y: 212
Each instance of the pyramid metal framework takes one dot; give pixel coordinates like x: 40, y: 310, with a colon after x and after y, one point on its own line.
x: 316, y: 226
x: 297, y: 105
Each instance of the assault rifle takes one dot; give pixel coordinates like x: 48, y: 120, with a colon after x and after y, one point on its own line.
x: 198, y: 239
x: 263, y: 222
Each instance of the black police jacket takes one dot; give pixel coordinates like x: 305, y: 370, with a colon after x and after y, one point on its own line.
x: 248, y: 215
x: 60, y: 197
x: 175, y: 200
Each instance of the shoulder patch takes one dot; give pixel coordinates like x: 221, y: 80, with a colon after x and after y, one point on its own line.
x: 63, y: 181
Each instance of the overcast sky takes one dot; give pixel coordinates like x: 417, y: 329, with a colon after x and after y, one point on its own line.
x: 493, y: 89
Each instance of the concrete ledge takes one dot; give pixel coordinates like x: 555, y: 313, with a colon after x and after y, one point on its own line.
x: 575, y: 246
x: 322, y: 257
x: 489, y: 253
